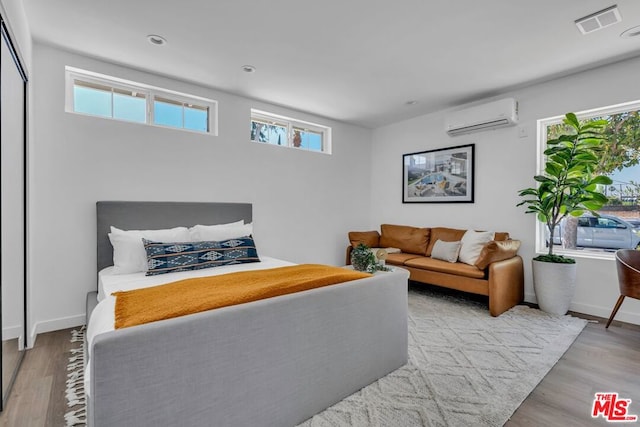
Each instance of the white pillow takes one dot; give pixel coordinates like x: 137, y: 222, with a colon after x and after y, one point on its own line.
x: 206, y: 233
x: 472, y: 244
x: 228, y: 224
x: 446, y: 251
x: 129, y: 255
x: 196, y: 229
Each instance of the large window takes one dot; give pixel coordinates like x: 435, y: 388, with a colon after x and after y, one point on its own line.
x: 617, y: 224
x: 109, y: 97
x: 278, y: 130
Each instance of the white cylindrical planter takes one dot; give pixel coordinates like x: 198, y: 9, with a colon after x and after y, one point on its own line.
x: 554, y: 284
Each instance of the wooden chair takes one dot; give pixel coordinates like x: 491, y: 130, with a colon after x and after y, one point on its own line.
x: 628, y: 265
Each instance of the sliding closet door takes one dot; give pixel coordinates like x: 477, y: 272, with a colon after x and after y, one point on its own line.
x: 12, y: 207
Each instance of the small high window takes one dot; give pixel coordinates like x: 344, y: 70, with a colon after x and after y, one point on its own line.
x: 274, y: 129
x: 109, y: 97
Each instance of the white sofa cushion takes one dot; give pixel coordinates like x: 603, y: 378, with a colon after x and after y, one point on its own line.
x: 446, y: 251
x: 472, y: 244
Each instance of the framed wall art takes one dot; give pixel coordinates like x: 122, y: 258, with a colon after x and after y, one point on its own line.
x: 444, y: 175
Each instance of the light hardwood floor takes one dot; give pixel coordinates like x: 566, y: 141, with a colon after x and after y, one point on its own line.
x: 598, y: 361
x: 37, y: 398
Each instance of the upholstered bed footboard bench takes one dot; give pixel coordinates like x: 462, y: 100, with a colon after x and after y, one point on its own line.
x: 273, y: 362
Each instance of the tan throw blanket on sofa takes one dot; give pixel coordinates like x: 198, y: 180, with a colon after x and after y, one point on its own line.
x: 206, y: 293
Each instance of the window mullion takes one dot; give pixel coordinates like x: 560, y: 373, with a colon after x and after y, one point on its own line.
x: 150, y: 110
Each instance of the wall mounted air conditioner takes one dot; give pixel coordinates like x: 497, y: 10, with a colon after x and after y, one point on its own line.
x: 492, y: 115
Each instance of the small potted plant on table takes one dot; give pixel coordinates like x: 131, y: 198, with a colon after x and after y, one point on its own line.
x: 363, y: 259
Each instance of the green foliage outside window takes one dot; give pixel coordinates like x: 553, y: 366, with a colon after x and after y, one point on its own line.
x: 621, y: 133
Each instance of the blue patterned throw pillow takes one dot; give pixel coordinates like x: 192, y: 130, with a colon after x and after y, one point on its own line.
x: 170, y: 257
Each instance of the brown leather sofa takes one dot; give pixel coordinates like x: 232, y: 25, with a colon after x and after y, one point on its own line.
x: 497, y: 272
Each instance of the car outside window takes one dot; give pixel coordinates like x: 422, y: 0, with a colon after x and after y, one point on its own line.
x: 612, y: 227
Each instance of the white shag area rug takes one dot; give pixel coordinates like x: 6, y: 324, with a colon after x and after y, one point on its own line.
x: 465, y: 367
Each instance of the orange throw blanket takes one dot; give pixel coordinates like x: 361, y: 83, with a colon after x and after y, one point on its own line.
x: 206, y: 293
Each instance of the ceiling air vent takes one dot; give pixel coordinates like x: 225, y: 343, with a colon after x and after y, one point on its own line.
x: 599, y: 20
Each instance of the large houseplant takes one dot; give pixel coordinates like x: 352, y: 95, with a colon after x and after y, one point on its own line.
x: 569, y: 186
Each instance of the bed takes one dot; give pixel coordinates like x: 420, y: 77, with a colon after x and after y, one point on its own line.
x: 273, y: 362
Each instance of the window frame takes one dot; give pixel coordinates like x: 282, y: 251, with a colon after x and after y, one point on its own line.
x: 151, y: 92
x: 291, y: 124
x: 542, y: 125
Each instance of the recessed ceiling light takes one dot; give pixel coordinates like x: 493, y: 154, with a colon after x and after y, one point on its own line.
x: 631, y: 32
x: 599, y: 20
x: 248, y: 68
x: 156, y: 39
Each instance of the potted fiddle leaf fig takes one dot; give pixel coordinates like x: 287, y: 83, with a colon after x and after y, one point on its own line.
x: 569, y: 186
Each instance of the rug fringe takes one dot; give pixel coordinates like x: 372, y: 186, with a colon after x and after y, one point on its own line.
x: 74, y: 391
x: 76, y: 418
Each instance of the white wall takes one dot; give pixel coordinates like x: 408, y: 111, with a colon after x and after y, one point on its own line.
x: 304, y: 203
x: 505, y: 164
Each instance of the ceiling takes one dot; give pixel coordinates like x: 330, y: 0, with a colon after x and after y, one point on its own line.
x: 357, y: 61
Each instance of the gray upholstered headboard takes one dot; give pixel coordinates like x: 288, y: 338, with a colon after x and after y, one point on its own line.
x: 157, y: 215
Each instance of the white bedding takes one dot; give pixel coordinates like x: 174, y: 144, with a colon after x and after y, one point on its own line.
x: 103, y: 319
x: 109, y: 283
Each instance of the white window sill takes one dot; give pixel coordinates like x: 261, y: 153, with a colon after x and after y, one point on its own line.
x: 580, y: 253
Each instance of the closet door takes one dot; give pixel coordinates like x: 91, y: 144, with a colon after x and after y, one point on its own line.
x: 12, y: 210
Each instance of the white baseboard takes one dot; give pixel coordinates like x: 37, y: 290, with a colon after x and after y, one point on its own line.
x: 594, y: 310
x: 530, y: 298
x: 605, y: 312
x: 55, y: 325
x: 11, y: 332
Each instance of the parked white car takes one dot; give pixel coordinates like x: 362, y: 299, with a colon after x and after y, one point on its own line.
x: 605, y: 231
